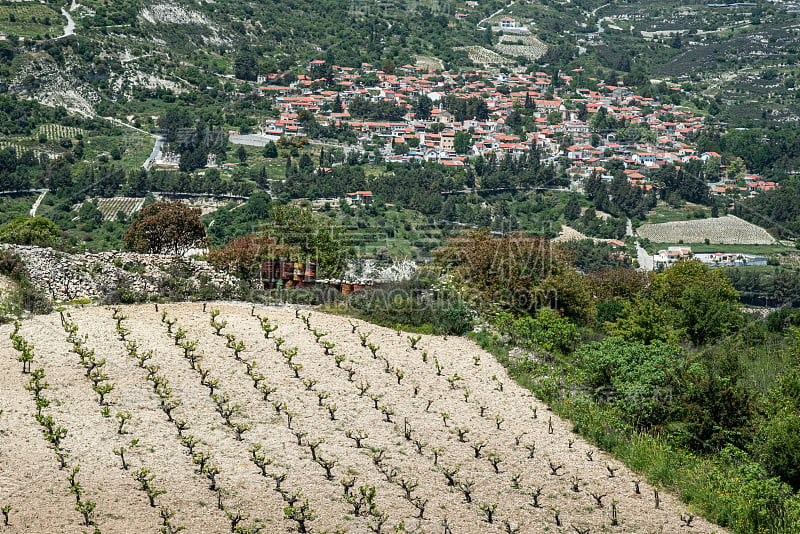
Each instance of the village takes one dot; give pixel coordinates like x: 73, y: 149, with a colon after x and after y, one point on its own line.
x: 571, y: 123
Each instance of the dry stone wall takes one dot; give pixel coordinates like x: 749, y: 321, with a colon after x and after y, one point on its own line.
x: 64, y: 277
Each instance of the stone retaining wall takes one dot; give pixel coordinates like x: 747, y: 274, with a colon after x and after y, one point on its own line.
x: 64, y: 277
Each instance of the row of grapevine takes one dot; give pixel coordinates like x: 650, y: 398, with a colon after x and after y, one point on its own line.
x: 531, y: 47
x: 110, y: 207
x: 54, y: 433
x: 484, y: 56
x: 728, y: 230
x: 225, y: 417
x: 56, y: 132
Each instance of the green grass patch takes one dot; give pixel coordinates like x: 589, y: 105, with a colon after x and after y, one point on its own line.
x: 30, y: 20
x: 12, y: 206
x: 665, y: 213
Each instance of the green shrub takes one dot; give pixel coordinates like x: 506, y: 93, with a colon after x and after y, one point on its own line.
x: 414, y: 305
x: 547, y: 331
x: 38, y: 231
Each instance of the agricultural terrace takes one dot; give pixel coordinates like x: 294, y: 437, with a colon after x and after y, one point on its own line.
x: 219, y: 417
x: 110, y: 207
x: 727, y: 230
x: 526, y: 46
x: 56, y: 132
x: 29, y: 19
x: 483, y: 56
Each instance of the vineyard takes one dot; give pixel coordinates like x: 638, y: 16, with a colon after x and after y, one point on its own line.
x: 227, y: 418
x: 21, y: 149
x: 727, y: 230
x: 526, y: 46
x: 110, y: 207
x: 56, y: 132
x: 484, y: 56
x: 29, y: 19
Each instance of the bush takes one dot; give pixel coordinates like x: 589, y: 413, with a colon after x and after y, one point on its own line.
x: 25, y: 297
x: 636, y: 378
x: 11, y: 265
x: 413, y: 304
x: 547, y: 331
x: 38, y: 231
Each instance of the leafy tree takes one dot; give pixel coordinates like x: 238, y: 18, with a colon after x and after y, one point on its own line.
x: 462, y: 141
x: 777, y: 439
x: 245, y: 66
x: 271, y: 150
x: 89, y: 213
x: 510, y: 272
x: 709, y: 312
x: 38, y: 231
x: 388, y: 66
x: 313, y: 235
x: 165, y: 227
x: 174, y: 123
x: 423, y: 108
x: 572, y: 210
x: 242, y: 257
x: 645, y: 321
x: 687, y: 299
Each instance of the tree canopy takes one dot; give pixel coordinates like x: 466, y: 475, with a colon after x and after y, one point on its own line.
x: 316, y: 238
x: 513, y: 272
x: 165, y: 228
x: 38, y: 231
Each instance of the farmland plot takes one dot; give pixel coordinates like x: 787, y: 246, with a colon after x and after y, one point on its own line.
x: 110, y: 207
x: 56, y: 132
x: 526, y: 46
x: 727, y: 230
x: 20, y: 149
x: 240, y: 419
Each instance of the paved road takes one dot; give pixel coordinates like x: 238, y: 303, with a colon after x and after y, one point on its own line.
x: 154, y: 154
x: 644, y: 258
x: 126, y: 125
x: 69, y: 29
x: 38, y: 201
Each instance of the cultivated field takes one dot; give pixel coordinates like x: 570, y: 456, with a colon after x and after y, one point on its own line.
x: 290, y: 422
x: 109, y: 207
x: 727, y: 230
x: 526, y: 46
x: 484, y: 56
x: 21, y: 149
x: 55, y: 132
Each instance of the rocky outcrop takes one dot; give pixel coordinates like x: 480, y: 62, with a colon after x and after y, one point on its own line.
x: 126, y: 276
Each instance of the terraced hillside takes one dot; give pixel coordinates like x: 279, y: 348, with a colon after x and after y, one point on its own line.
x: 220, y: 417
x: 727, y: 230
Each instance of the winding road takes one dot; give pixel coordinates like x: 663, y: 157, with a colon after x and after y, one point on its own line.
x: 69, y: 29
x: 38, y: 201
x: 494, y: 15
x: 154, y: 154
x: 642, y: 256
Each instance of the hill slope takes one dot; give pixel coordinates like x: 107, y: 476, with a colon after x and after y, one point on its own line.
x: 324, y: 406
